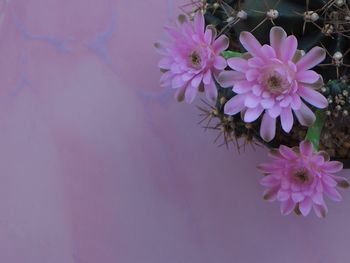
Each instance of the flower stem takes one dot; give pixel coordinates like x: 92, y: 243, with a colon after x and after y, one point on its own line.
x: 314, y: 132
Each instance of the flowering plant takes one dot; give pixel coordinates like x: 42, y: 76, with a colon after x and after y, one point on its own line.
x: 270, y: 83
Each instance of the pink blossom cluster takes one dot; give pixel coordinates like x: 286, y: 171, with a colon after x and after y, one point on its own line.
x: 270, y: 82
x: 299, y: 178
x: 192, y: 58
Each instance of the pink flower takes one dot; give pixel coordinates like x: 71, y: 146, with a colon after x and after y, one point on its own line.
x: 191, y: 58
x: 271, y: 79
x: 299, y: 177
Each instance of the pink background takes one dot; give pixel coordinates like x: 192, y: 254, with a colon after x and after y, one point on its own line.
x: 98, y: 164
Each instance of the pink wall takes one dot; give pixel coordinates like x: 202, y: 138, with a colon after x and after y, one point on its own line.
x: 98, y: 164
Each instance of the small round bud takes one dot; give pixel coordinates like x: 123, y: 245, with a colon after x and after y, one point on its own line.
x: 311, y: 16
x: 345, y: 93
x: 323, y: 89
x: 345, y: 113
x: 338, y: 56
x: 328, y: 113
x: 314, y: 17
x: 230, y: 19
x: 328, y: 29
x: 340, y: 2
x: 338, y: 107
x: 272, y: 14
x: 242, y: 15
x: 216, y: 5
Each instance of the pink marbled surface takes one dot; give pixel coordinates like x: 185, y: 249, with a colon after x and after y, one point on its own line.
x: 98, y: 164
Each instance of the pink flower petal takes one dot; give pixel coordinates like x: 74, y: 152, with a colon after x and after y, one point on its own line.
x: 268, y: 168
x: 317, y: 159
x: 166, y: 79
x: 207, y: 78
x: 332, y: 193
x: 211, y: 91
x: 177, y: 82
x: 221, y: 44
x: 208, y: 36
x: 228, y: 78
x: 268, y: 128
x: 269, y: 181
x: 220, y: 63
x: 268, y: 52
x: 180, y: 94
x: 267, y: 103
x: 305, y: 116
x: 196, y: 81
x: 287, y: 207
x: 313, y: 97
x: 252, y: 114
x: 297, y: 197
x: 275, y: 111
x: 306, y: 148
x: 190, y: 94
x: 317, y: 198
x: 332, y: 167
x: 286, y: 101
x: 252, y: 74
x: 176, y: 69
x: 329, y: 181
x: 296, y: 102
x: 341, y: 182
x: 277, y: 36
x: 308, y: 76
x: 199, y: 23
x: 234, y: 105
x: 173, y: 32
x: 311, y: 59
x: 283, y: 195
x: 242, y: 87
x: 165, y: 63
x: 251, y: 101
x: 305, y: 206
x: 289, y: 47
x: 250, y: 43
x: 271, y: 194
x: 287, y: 119
x: 288, y: 153
x: 256, y: 89
x: 238, y: 64
x: 255, y: 62
x: 320, y: 210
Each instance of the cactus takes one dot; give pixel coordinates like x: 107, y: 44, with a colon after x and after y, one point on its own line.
x: 314, y: 23
x: 276, y: 94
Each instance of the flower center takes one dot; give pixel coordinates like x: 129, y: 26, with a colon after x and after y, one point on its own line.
x: 276, y: 82
x: 302, y: 176
x: 195, y: 59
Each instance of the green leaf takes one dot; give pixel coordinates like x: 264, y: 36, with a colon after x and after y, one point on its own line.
x: 231, y: 54
x: 314, y: 132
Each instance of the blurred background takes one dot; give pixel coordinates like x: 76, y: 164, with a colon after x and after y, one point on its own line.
x: 99, y: 164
